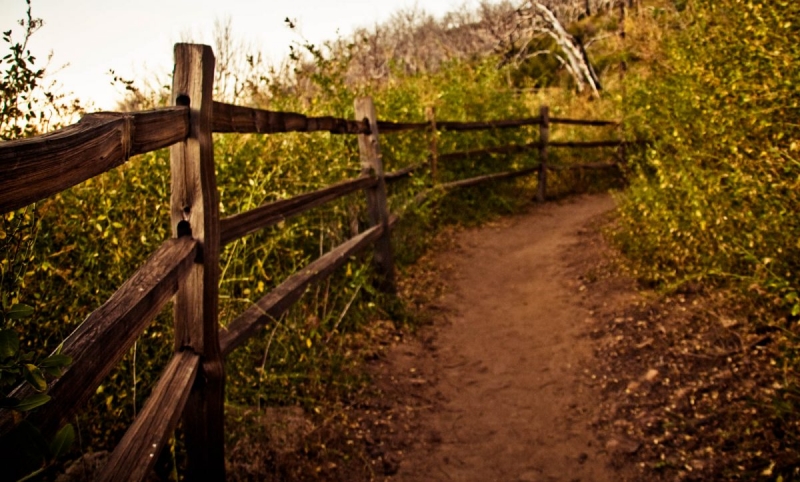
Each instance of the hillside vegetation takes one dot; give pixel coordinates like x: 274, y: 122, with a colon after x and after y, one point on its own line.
x: 714, y: 197
x: 711, y: 213
x: 66, y: 255
x: 711, y: 86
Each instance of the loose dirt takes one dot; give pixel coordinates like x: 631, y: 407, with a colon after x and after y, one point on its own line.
x: 543, y: 360
x: 500, y: 375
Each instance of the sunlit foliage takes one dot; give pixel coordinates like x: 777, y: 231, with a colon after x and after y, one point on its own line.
x: 715, y: 197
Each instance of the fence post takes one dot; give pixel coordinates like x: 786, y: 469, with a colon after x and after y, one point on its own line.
x: 430, y: 113
x: 544, y: 138
x: 371, y: 162
x: 195, y: 212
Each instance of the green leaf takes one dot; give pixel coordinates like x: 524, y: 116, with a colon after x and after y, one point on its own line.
x: 56, y: 361
x: 34, y: 377
x: 32, y: 402
x: 19, y: 311
x: 62, y: 441
x: 53, y: 371
x: 9, y: 344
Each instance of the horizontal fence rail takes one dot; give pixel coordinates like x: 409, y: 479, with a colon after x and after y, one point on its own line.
x: 138, y: 451
x: 511, y: 149
x: 238, y: 225
x: 33, y: 169
x: 275, y: 303
x: 247, y: 120
x: 108, y: 333
x: 582, y: 122
x: 474, y: 181
x: 186, y: 269
x: 479, y: 126
x: 400, y: 174
x: 386, y: 126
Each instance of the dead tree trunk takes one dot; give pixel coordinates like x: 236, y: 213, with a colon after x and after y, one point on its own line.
x: 577, y: 58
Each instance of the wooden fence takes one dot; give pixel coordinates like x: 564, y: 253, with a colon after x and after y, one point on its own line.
x: 185, y: 268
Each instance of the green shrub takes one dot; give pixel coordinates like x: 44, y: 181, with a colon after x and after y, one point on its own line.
x: 715, y: 197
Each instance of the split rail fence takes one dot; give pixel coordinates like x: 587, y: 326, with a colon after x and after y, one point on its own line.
x: 186, y: 269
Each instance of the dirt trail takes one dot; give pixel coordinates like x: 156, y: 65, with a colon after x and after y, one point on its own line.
x: 504, y: 365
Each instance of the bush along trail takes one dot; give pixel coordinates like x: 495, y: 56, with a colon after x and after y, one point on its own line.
x: 665, y: 348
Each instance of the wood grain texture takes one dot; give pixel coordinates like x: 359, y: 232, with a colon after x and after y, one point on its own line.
x: 195, y: 208
x: 107, y: 334
x: 377, y: 207
x: 234, y: 118
x: 242, y: 224
x: 277, y: 301
x: 35, y: 168
x: 140, y: 447
x: 158, y: 128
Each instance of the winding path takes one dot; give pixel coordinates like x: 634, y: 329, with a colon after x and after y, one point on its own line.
x: 505, y: 369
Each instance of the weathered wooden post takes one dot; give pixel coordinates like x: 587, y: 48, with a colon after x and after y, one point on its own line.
x: 544, y: 138
x: 371, y: 162
x: 430, y: 114
x: 195, y: 212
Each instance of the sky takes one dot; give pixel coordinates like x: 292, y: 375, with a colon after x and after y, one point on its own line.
x: 135, y: 37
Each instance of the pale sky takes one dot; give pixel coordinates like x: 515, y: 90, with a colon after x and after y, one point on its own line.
x: 134, y: 37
